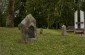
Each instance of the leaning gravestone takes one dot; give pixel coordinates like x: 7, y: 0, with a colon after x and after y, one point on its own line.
x: 27, y: 28
x: 64, y: 32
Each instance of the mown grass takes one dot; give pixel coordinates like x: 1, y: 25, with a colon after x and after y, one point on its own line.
x: 49, y: 43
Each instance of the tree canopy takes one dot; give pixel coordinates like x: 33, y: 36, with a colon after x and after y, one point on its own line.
x: 48, y: 13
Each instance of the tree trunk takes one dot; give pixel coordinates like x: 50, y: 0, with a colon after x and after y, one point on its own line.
x: 0, y: 18
x: 10, y: 14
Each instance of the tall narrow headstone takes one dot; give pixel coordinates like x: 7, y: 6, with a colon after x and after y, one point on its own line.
x: 75, y: 20
x: 82, y: 21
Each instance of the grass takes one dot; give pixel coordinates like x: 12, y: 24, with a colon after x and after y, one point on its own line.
x: 49, y: 43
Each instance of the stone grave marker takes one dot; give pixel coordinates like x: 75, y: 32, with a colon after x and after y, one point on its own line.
x: 64, y: 32
x: 27, y: 28
x: 41, y: 31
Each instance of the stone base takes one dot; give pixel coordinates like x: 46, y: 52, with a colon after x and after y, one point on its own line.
x: 31, y: 40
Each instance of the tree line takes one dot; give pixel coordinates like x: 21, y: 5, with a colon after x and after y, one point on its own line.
x: 48, y: 13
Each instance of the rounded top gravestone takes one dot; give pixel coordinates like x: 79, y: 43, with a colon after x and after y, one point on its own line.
x: 64, y: 31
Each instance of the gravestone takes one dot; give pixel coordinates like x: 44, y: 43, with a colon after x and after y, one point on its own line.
x: 41, y: 31
x: 27, y: 28
x: 79, y: 23
x: 64, y: 32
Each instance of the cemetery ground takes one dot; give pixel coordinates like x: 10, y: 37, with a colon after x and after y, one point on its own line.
x: 49, y: 43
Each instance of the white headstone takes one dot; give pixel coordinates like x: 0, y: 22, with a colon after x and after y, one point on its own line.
x: 81, y: 19
x: 75, y: 20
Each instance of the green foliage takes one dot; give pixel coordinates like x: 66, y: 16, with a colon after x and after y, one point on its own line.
x: 49, y: 43
x: 3, y: 6
x: 20, y: 11
x: 48, y: 13
x: 83, y: 6
x: 51, y: 12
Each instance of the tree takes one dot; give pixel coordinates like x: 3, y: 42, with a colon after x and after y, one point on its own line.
x: 10, y: 14
x: 3, y: 7
x: 48, y: 13
x: 0, y: 18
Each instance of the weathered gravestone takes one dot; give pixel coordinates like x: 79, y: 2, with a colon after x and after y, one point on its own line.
x: 41, y: 31
x: 64, y: 32
x: 27, y: 28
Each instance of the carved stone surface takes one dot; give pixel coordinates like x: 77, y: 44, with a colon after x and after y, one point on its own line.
x: 27, y: 27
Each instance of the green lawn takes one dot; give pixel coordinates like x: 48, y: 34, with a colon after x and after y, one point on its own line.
x: 49, y: 43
